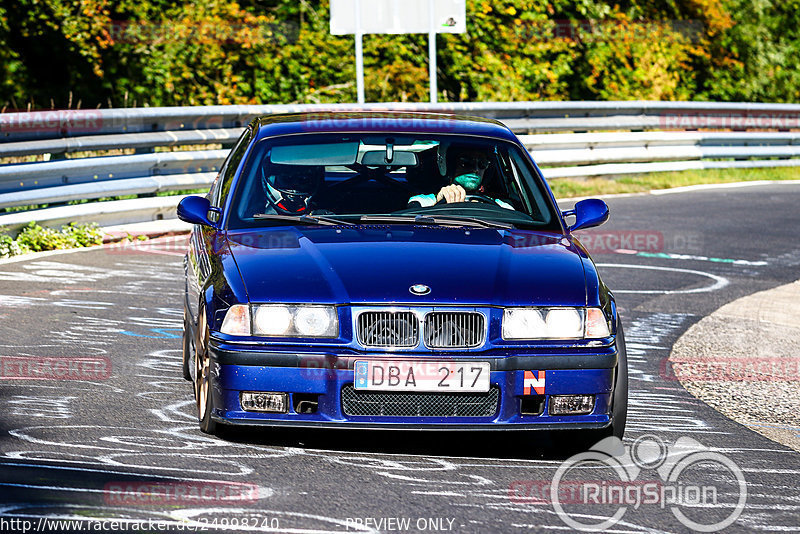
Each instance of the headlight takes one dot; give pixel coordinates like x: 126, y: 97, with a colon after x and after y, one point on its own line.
x: 313, y: 321
x: 554, y: 323
x: 272, y: 320
x: 523, y: 323
x: 564, y: 323
x: 279, y: 320
x: 295, y: 321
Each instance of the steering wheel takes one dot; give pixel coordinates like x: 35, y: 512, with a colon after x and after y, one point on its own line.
x: 470, y: 198
x: 479, y: 198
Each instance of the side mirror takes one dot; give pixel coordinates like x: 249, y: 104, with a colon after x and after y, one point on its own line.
x: 195, y: 210
x: 588, y: 214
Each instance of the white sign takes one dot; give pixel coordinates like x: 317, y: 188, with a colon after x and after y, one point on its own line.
x: 399, y: 16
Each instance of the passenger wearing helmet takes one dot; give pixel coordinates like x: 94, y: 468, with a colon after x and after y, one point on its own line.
x: 290, y: 188
x: 466, y: 166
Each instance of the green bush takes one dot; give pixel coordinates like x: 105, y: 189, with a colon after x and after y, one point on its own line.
x: 83, y: 235
x: 9, y: 247
x: 36, y: 238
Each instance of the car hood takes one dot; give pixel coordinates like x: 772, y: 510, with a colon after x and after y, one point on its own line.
x: 379, y: 264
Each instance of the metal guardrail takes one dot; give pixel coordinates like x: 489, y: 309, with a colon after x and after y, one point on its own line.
x: 113, y: 212
x: 655, y: 136
x: 49, y: 174
x: 137, y: 141
x: 520, y: 116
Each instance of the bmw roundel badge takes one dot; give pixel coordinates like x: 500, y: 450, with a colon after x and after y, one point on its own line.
x: 420, y: 289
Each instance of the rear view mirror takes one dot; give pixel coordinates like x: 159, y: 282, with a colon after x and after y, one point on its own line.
x: 194, y: 210
x: 376, y: 158
x: 588, y: 214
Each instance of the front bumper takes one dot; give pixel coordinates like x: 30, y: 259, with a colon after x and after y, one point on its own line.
x: 323, y: 376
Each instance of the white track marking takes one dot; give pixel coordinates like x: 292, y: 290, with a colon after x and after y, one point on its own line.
x: 719, y: 281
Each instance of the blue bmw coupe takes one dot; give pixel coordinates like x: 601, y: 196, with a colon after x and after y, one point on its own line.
x: 396, y: 271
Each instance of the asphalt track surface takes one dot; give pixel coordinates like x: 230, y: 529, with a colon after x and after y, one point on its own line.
x: 77, y: 449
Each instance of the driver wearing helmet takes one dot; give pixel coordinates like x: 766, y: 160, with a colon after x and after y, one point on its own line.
x: 469, y: 165
x: 290, y: 188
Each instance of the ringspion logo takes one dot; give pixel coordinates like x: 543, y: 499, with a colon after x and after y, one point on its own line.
x: 690, y: 480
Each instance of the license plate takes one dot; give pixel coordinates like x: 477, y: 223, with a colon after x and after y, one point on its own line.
x: 381, y: 375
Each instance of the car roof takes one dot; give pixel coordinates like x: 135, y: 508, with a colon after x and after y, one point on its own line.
x: 405, y: 122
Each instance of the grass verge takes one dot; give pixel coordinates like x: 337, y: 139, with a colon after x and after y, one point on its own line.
x: 639, y: 183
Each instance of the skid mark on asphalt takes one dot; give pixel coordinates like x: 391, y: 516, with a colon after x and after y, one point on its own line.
x: 64, y: 273
x: 647, y: 340
x: 14, y: 301
x: 38, y: 406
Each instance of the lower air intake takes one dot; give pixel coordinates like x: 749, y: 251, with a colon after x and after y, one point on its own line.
x: 404, y: 404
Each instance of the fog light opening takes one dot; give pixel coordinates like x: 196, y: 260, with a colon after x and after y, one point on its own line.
x: 258, y: 401
x: 571, y: 404
x: 305, y: 403
x: 531, y: 405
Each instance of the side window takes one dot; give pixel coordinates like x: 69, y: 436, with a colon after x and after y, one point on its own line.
x: 222, y: 184
x: 524, y: 180
x: 511, y: 180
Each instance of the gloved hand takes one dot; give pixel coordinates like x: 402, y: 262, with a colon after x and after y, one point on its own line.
x: 451, y: 193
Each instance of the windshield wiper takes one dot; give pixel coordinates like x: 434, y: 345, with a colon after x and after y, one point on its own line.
x: 474, y: 221
x: 302, y: 219
x: 434, y: 221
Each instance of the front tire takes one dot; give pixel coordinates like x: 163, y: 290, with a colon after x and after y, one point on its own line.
x: 187, y: 346
x: 202, y: 385
x: 619, y: 403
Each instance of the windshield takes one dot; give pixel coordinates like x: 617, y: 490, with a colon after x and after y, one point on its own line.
x: 350, y: 178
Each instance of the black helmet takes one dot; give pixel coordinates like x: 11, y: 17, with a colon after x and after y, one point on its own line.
x: 289, y: 188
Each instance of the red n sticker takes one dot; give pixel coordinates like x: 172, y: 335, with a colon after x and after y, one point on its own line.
x: 533, y: 383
